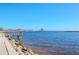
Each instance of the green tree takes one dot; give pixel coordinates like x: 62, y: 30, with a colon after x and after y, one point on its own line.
x: 1, y: 29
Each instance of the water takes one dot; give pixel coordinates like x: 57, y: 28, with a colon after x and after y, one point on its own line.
x: 57, y: 41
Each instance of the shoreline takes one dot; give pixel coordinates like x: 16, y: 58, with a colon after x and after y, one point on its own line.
x: 42, y: 51
x: 32, y: 50
x: 23, y: 49
x: 19, y: 47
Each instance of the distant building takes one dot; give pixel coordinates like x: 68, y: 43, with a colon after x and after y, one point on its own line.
x: 42, y: 29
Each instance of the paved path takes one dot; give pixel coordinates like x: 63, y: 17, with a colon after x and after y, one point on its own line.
x: 5, y: 46
x: 2, y: 48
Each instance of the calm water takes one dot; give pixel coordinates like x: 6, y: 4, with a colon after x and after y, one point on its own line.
x: 58, y: 41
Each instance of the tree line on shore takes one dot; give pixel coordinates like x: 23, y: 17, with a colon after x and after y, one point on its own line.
x: 1, y: 29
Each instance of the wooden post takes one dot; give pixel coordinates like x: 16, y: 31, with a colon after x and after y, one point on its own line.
x: 18, y: 35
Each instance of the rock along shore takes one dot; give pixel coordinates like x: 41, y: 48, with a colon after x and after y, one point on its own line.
x: 20, y: 48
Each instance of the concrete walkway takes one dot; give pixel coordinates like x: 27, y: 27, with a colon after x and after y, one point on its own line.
x: 2, y: 48
x: 5, y: 46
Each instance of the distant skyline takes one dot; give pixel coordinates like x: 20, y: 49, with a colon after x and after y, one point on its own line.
x: 36, y: 16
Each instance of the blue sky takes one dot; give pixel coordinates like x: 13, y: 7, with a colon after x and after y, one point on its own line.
x: 35, y: 16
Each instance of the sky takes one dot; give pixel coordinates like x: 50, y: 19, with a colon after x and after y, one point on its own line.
x: 51, y: 16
